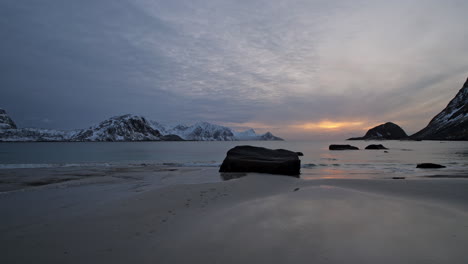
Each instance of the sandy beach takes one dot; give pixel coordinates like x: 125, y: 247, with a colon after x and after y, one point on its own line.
x: 162, y: 214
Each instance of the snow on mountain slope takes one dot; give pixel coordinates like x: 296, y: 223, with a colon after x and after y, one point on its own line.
x: 10, y: 133
x: 248, y: 134
x: 203, y: 131
x: 120, y: 128
x: 5, y: 121
x: 163, y: 129
x: 451, y: 123
x: 35, y: 134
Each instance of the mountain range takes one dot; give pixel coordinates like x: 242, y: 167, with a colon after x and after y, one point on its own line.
x: 128, y: 128
x: 450, y: 124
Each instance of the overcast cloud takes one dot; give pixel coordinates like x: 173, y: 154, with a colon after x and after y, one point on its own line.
x: 274, y: 65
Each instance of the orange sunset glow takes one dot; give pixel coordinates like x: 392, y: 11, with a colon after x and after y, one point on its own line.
x: 326, y: 124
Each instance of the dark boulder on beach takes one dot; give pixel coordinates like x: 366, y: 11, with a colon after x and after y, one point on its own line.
x: 388, y: 130
x: 300, y: 154
x: 430, y: 166
x: 262, y: 160
x: 376, y: 146
x: 342, y: 147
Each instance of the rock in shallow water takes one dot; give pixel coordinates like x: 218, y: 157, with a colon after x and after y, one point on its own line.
x: 376, y: 146
x: 342, y: 147
x: 429, y: 166
x: 262, y: 160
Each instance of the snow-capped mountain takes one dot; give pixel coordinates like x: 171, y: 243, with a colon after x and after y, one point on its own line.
x: 131, y: 128
x: 120, y: 128
x: 9, y: 132
x: 248, y: 134
x: 159, y: 127
x: 34, y: 134
x: 268, y: 136
x: 451, y: 123
x: 5, y: 121
x: 203, y: 131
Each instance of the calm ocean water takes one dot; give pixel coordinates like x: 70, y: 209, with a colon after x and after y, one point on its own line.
x: 317, y: 162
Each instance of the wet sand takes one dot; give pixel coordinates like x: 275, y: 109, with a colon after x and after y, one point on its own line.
x: 146, y: 214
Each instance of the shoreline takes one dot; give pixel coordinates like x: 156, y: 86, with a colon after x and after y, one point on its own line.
x: 20, y: 179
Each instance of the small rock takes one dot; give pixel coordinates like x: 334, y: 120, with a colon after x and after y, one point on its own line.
x: 398, y: 178
x: 300, y: 154
x: 376, y: 146
x: 297, y: 189
x: 430, y: 166
x: 342, y: 147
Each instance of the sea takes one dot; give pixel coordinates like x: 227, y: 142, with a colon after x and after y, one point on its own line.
x: 318, y: 162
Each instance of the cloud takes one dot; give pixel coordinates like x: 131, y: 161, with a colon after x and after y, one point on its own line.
x: 274, y: 64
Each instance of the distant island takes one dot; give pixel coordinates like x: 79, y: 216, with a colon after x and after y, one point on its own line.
x: 127, y: 128
x: 450, y: 124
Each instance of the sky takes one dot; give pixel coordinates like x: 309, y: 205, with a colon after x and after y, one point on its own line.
x: 302, y: 69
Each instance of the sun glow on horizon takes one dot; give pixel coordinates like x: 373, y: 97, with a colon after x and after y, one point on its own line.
x: 330, y: 125
x: 323, y: 129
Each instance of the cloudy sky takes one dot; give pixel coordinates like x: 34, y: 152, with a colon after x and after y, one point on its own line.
x: 303, y: 69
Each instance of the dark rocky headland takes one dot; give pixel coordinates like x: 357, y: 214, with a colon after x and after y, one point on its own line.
x: 451, y: 123
x: 387, y: 131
